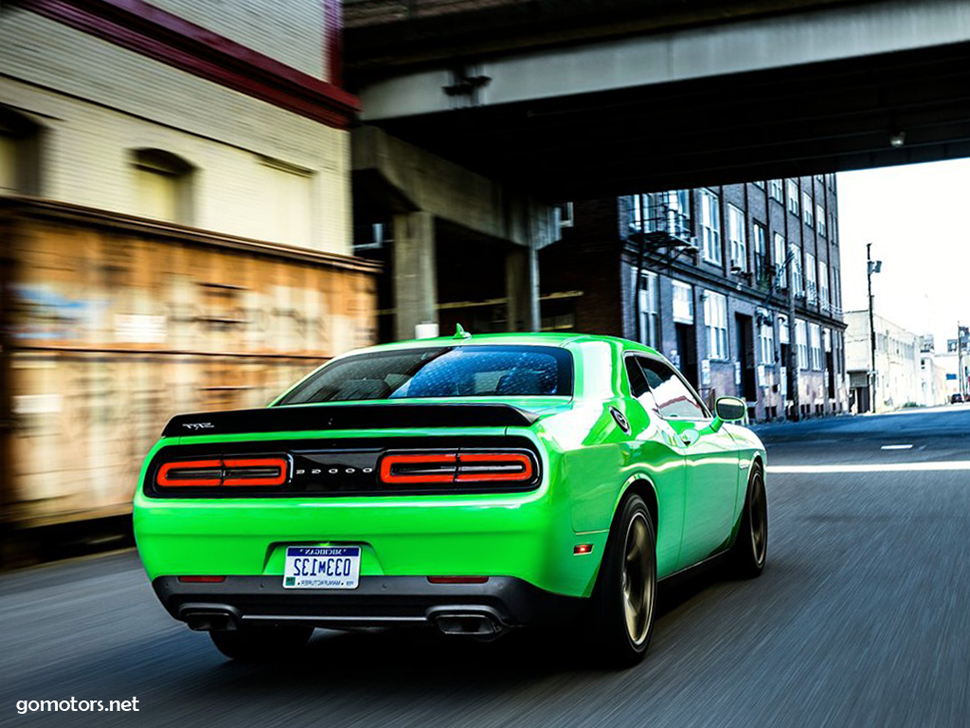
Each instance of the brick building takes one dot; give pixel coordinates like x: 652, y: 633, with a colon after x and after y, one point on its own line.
x: 739, y: 285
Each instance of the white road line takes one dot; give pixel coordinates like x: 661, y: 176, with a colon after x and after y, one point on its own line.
x: 896, y: 447
x: 873, y: 468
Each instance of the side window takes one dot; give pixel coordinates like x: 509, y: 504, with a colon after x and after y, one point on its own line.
x: 638, y: 384
x: 674, y: 399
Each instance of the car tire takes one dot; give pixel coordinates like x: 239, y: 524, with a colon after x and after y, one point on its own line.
x: 261, y: 644
x: 624, y: 601
x: 750, y: 550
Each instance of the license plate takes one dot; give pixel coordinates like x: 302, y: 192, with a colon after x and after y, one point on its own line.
x: 321, y: 567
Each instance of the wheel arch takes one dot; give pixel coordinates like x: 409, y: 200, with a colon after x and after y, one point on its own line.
x: 640, y: 484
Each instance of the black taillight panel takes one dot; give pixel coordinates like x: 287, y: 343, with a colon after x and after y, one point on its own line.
x: 344, y: 467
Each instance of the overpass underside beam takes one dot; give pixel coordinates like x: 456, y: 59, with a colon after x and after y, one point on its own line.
x: 423, y: 194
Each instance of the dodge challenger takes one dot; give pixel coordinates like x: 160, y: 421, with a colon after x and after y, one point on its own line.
x: 476, y: 484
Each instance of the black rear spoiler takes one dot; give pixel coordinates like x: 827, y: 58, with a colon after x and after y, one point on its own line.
x: 347, y: 417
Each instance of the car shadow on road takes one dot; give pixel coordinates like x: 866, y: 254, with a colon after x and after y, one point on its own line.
x: 417, y: 658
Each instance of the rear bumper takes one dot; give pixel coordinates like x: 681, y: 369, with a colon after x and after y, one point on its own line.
x: 379, y: 601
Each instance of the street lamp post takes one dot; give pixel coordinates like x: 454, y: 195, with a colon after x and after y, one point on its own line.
x: 873, y: 266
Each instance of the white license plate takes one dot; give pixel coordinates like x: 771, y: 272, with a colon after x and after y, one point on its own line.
x: 321, y: 567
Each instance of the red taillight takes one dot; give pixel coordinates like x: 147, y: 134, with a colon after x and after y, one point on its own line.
x: 228, y: 472
x: 255, y: 471
x: 190, y: 472
x: 202, y: 579
x: 457, y: 467
x: 407, y: 468
x: 457, y: 579
x: 484, y: 467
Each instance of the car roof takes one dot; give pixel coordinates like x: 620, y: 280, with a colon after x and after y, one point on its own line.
x: 557, y: 339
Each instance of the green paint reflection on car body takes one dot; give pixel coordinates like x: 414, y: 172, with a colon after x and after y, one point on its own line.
x: 587, y: 461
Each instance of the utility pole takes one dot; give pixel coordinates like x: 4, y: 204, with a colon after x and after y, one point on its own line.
x: 872, y: 266
x: 960, y: 373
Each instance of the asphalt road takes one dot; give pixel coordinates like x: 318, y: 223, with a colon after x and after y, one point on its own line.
x: 861, y: 619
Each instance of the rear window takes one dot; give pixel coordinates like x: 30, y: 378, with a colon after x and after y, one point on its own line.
x: 459, y: 371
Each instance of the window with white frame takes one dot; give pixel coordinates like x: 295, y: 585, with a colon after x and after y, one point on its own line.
x: 739, y: 244
x: 766, y: 339
x: 778, y: 253
x: 807, y: 209
x: 801, y: 344
x: 683, y: 302
x: 798, y: 281
x: 716, y: 321
x: 638, y: 212
x: 811, y: 284
x: 760, y: 253
x: 649, y: 310
x: 815, y: 346
x: 792, y: 196
x: 820, y: 220
x: 710, y: 226
x: 823, y: 284
x: 776, y: 190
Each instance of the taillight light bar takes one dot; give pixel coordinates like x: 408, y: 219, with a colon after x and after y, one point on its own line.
x: 231, y: 472
x: 457, y: 467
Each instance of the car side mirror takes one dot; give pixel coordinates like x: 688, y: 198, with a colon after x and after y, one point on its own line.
x: 730, y: 409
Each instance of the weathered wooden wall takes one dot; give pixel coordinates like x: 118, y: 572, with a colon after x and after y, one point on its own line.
x: 116, y: 324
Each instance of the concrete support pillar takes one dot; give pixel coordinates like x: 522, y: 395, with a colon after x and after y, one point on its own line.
x: 522, y: 287
x: 415, y: 287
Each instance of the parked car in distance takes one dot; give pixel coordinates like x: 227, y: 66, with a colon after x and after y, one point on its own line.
x: 956, y: 398
x: 476, y: 484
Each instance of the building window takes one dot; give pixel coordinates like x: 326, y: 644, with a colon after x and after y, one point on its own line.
x: 792, y: 197
x: 288, y: 195
x: 811, y: 284
x: 683, y: 303
x: 715, y: 319
x: 823, y: 281
x: 820, y: 219
x: 798, y: 281
x: 778, y: 251
x: 775, y: 190
x: 8, y: 164
x: 649, y: 311
x: 739, y: 245
x: 19, y: 154
x: 759, y: 183
x: 801, y: 344
x: 565, y: 212
x: 833, y: 229
x: 766, y: 339
x: 163, y: 186
x: 807, y: 208
x: 815, y: 346
x: 710, y: 227
x: 760, y: 255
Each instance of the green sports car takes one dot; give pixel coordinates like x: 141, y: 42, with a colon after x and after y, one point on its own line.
x: 476, y: 484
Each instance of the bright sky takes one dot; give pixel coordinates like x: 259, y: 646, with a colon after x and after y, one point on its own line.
x: 916, y: 217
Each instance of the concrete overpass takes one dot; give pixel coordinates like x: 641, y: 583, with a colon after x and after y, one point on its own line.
x: 572, y: 99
